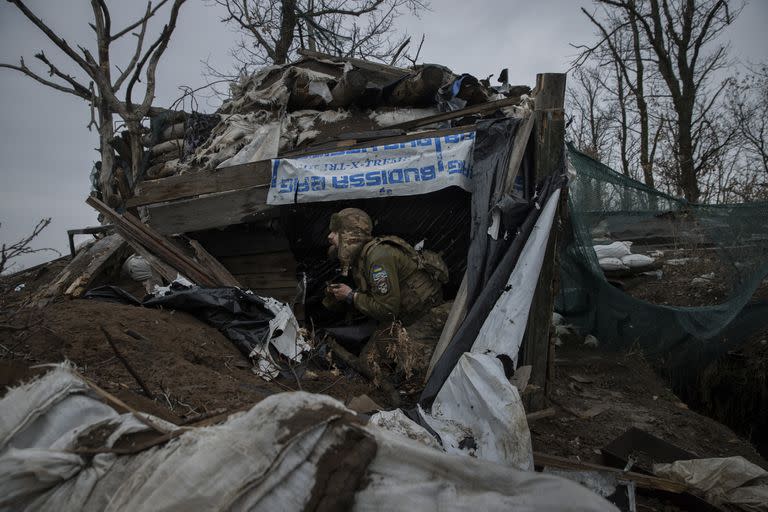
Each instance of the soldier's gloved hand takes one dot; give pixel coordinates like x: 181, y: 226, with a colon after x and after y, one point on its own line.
x: 339, y: 291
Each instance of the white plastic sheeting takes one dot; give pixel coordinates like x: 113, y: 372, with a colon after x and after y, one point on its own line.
x: 402, y: 169
x: 262, y: 146
x: 286, y: 452
x: 503, y: 329
x: 730, y: 481
x: 478, y: 412
x: 284, y: 337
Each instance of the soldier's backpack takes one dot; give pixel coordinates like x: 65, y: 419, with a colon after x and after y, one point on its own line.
x: 426, y: 260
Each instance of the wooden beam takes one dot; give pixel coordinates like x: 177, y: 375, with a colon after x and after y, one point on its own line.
x: 211, y: 211
x: 203, y: 182
x: 87, y: 266
x: 354, y: 144
x: 447, y: 116
x: 166, y: 271
x: 643, y: 481
x: 549, y: 142
x: 251, y: 174
x: 218, y: 271
x: 518, y: 152
x: 132, y: 229
x: 360, y: 63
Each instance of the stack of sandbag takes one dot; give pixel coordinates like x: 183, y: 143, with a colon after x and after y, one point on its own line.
x: 617, y: 257
x: 174, y: 136
x: 165, y: 147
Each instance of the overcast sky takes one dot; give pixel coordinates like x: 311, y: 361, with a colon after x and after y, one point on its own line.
x: 47, y: 152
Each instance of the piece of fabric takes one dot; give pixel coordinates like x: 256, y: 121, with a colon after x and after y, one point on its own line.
x: 291, y: 451
x: 729, y: 481
x: 479, y: 310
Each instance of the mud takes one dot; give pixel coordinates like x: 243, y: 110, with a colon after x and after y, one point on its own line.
x: 341, y: 472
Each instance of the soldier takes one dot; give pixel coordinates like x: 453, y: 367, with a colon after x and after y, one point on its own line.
x: 393, y: 281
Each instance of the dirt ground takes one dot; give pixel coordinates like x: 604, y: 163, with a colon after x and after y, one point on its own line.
x: 190, y: 368
x: 598, y: 395
x: 193, y: 371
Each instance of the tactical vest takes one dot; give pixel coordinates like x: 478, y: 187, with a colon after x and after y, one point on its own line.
x: 420, y: 283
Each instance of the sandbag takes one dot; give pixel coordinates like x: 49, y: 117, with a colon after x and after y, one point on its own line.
x: 637, y: 261
x: 614, y: 250
x: 612, y: 264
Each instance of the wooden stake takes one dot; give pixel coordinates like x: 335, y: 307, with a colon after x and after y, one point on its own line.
x: 127, y: 365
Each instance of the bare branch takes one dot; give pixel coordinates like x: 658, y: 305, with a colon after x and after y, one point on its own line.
x: 139, y: 44
x: 58, y: 41
x: 151, y: 12
x: 24, y: 69
x: 22, y: 246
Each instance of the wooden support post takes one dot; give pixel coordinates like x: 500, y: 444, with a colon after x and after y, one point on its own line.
x: 549, y: 144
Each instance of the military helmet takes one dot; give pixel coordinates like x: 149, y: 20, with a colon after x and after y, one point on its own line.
x: 352, y: 221
x: 355, y: 229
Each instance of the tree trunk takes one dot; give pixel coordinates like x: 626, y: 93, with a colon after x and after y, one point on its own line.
x: 287, y: 28
x: 137, y: 151
x: 688, y: 181
x: 106, y: 175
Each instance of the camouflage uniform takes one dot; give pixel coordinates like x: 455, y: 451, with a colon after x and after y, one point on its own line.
x: 392, y: 283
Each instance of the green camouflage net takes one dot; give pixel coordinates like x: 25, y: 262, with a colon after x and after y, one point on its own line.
x: 705, y: 292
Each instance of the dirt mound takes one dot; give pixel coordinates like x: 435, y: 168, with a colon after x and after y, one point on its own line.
x: 190, y: 368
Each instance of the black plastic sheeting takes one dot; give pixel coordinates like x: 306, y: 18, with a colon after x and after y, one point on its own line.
x: 490, y: 159
x: 242, y: 317
x: 491, y: 289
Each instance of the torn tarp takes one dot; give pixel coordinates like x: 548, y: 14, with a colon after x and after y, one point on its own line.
x: 251, y: 322
x: 482, y: 307
x: 291, y: 451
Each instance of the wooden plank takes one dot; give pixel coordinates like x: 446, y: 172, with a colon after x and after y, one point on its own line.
x: 643, y: 481
x: 538, y: 415
x: 203, y: 182
x: 149, y: 239
x: 548, y: 154
x: 518, y: 152
x: 452, y: 323
x: 166, y: 271
x: 353, y: 144
x: 84, y: 269
x: 211, y: 211
x: 360, y: 63
x: 220, y: 273
x: 251, y: 174
x: 447, y: 116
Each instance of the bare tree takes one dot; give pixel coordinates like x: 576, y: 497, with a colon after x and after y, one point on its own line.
x: 749, y: 108
x: 9, y: 252
x: 591, y: 112
x: 274, y: 30
x: 99, y: 86
x: 675, y: 53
